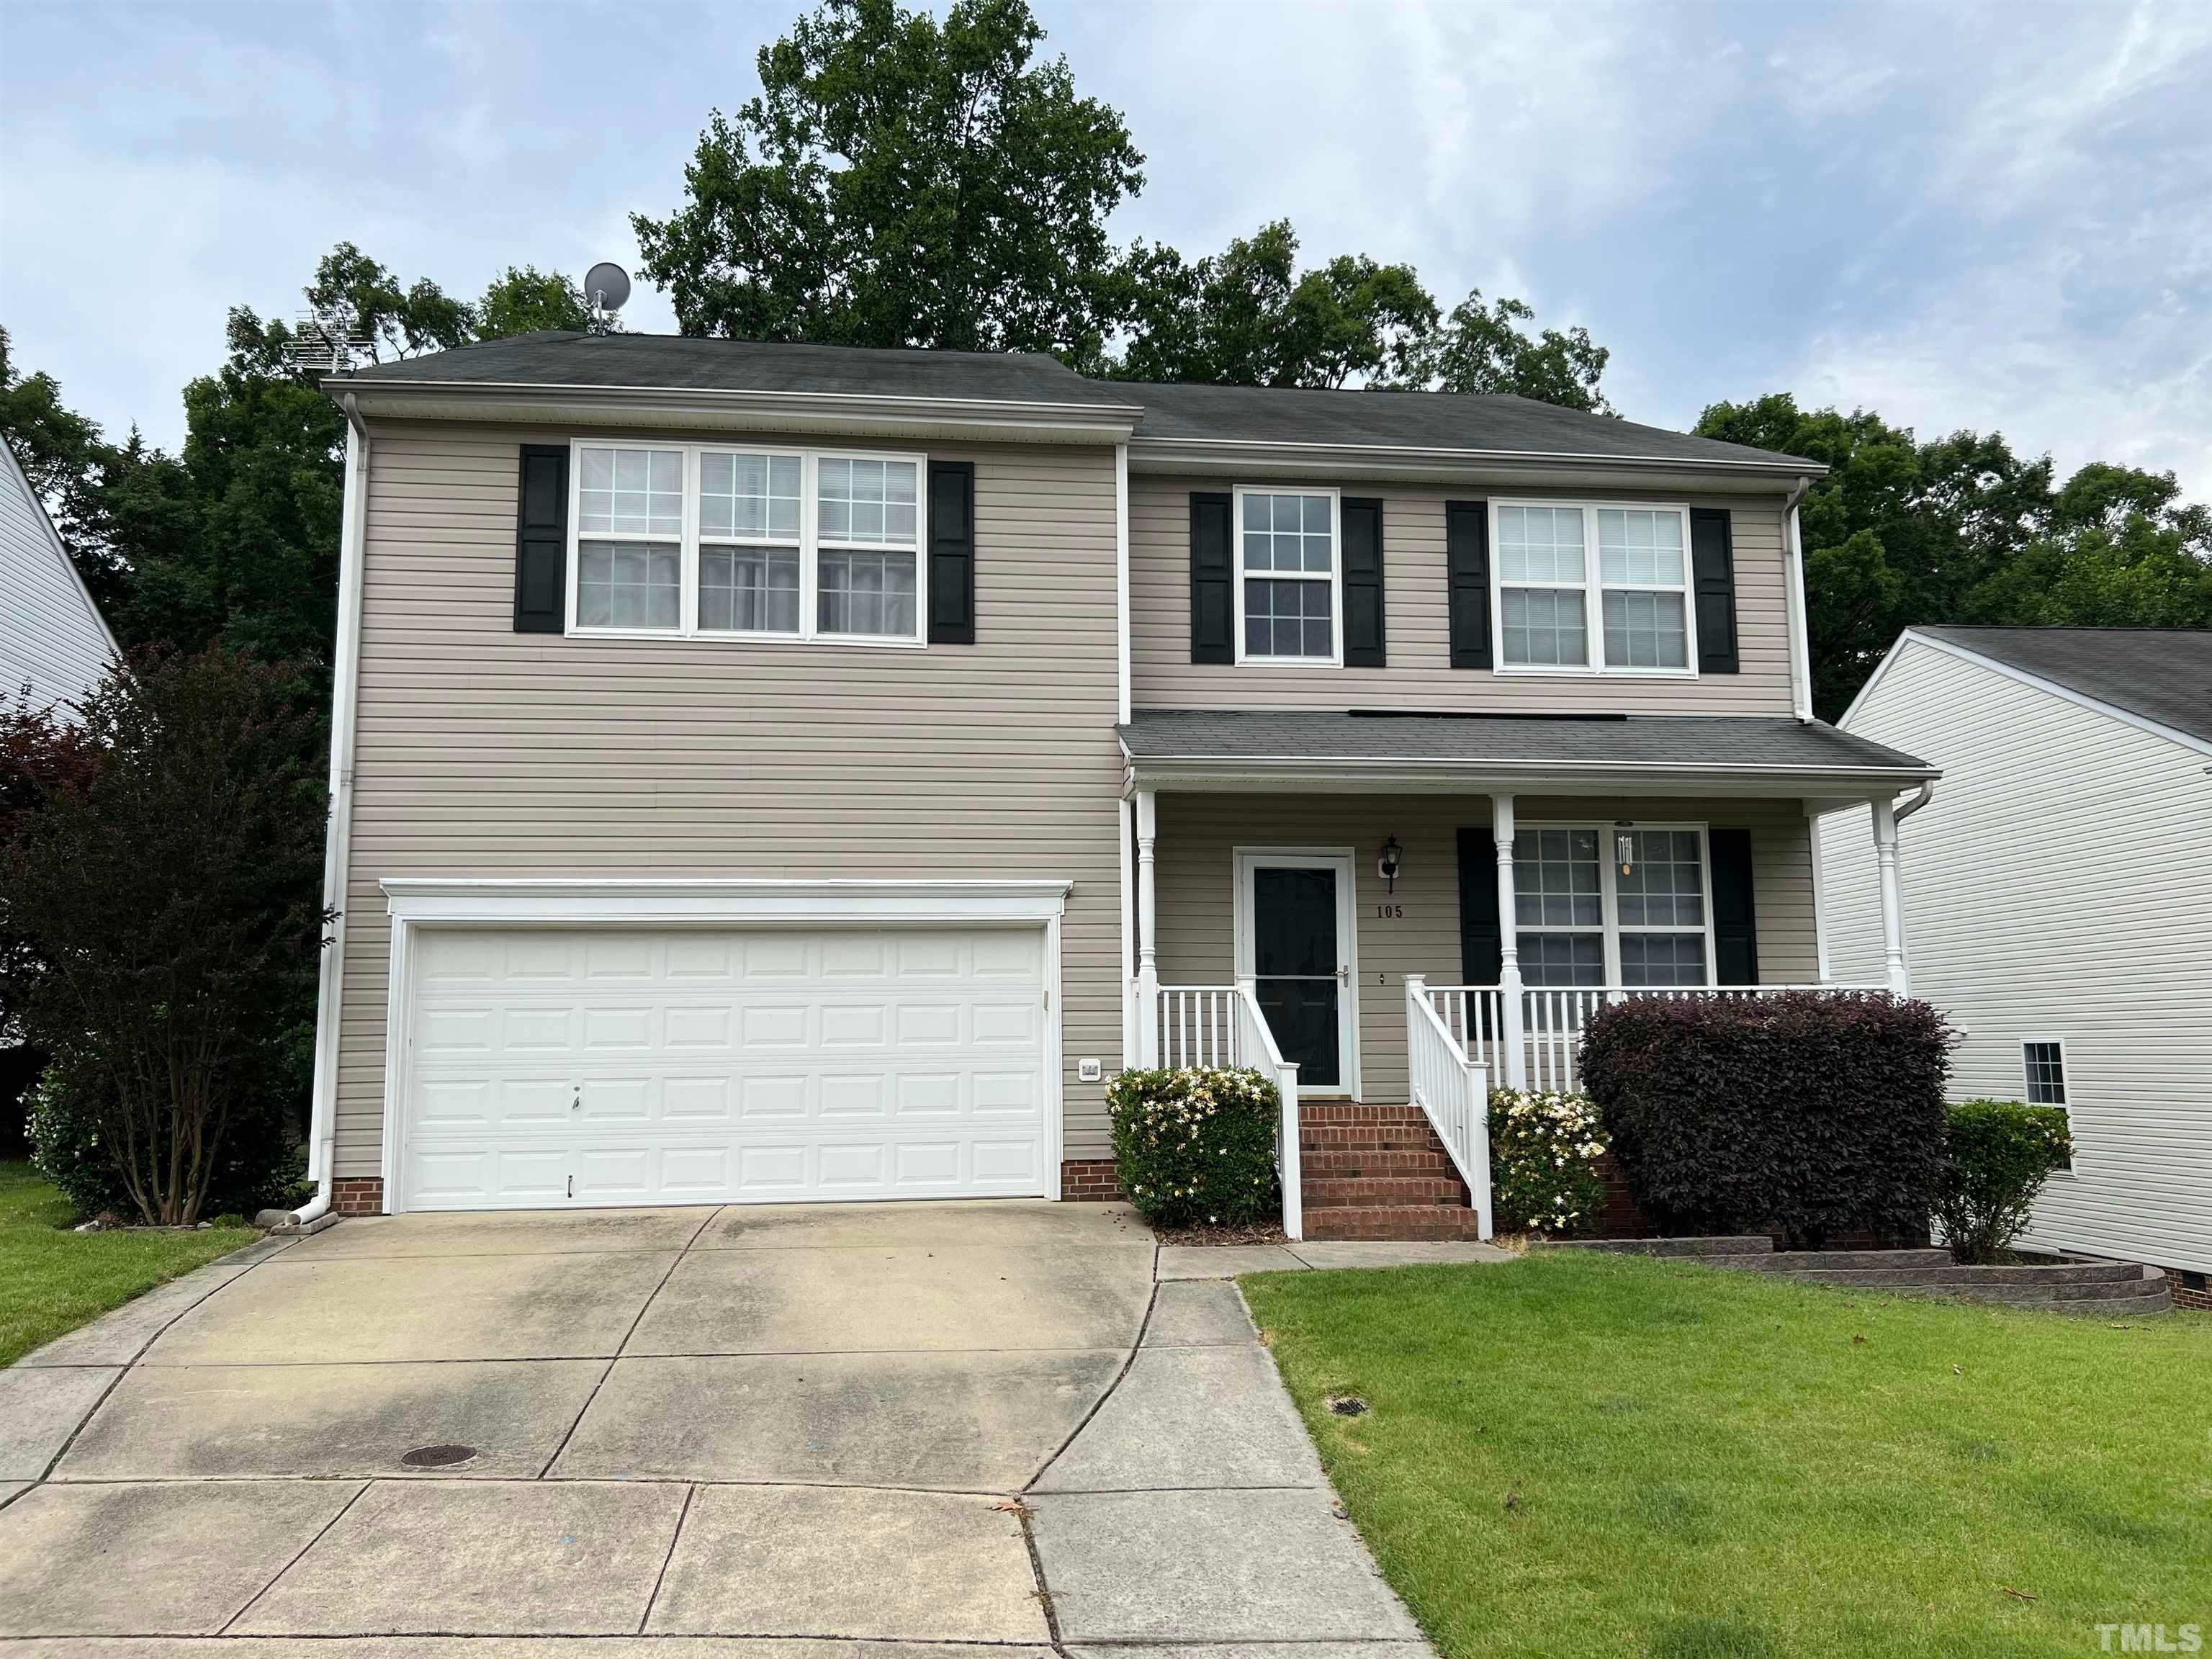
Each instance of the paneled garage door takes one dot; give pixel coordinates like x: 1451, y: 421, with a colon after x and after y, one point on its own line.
x: 553, y: 1067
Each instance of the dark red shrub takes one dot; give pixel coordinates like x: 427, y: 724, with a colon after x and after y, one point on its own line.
x: 1810, y: 1115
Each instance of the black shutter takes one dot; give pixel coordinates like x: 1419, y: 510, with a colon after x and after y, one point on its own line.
x: 952, y: 553
x: 1467, y: 559
x: 540, y: 540
x: 1736, y: 927
x: 1712, y: 562
x: 1363, y: 583
x: 1213, y: 576
x: 1481, y: 939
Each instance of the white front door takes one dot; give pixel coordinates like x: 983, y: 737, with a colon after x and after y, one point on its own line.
x: 1296, y: 942
x: 552, y: 1066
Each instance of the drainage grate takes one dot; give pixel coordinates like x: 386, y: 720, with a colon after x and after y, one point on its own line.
x: 438, y: 1457
x: 1348, y: 1405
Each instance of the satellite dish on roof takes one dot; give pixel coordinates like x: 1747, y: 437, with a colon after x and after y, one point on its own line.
x: 606, y: 285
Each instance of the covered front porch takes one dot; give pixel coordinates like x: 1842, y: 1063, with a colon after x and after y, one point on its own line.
x: 1382, y: 926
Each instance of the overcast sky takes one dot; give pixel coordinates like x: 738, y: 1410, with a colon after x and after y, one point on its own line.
x: 1960, y: 216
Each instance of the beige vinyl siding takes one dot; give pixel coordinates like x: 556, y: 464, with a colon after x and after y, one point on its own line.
x: 481, y: 751
x: 1417, y: 638
x: 2057, y: 886
x: 51, y: 638
x: 1195, y: 855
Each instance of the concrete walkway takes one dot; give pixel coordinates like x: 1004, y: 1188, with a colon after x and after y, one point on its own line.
x: 775, y: 1430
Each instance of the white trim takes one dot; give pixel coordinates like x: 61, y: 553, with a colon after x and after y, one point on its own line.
x: 2065, y: 1074
x: 1344, y: 861
x: 1335, y: 658
x: 416, y: 902
x: 1230, y: 450
x: 1125, y: 842
x: 1820, y: 921
x: 1801, y: 639
x: 2064, y: 692
x: 1594, y: 589
x: 809, y: 546
x: 1121, y: 598
x: 1609, y: 924
x: 338, y: 835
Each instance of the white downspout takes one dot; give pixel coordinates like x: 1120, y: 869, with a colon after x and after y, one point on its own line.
x: 1889, y: 865
x: 345, y: 678
x: 1801, y: 642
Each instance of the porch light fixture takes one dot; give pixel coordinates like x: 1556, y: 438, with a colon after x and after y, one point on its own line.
x: 1624, y: 845
x: 1391, y: 860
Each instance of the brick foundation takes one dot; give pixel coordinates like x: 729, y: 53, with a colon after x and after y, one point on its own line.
x: 1090, y: 1180
x: 2196, y: 1296
x: 357, y: 1195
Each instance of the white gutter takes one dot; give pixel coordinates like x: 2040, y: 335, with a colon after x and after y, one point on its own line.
x: 1920, y: 798
x: 345, y: 678
x: 1800, y: 642
x: 1121, y: 600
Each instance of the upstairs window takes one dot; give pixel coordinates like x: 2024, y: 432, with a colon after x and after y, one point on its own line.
x: 703, y: 540
x: 1592, y: 589
x: 1288, y: 575
x: 2045, y: 1063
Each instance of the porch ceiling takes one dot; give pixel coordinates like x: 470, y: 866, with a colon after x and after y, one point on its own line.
x: 1456, y: 753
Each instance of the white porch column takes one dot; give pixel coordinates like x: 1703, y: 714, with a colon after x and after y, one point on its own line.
x: 1892, y: 897
x: 1508, y: 947
x: 1148, y: 964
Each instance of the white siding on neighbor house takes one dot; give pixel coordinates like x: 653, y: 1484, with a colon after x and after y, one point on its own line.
x: 51, y: 638
x: 2057, y: 888
x: 1195, y: 854
x: 485, y: 752
x: 1417, y: 629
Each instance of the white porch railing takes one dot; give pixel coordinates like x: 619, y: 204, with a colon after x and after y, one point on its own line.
x: 1221, y: 1025
x: 1453, y: 1091
x: 1548, y: 1052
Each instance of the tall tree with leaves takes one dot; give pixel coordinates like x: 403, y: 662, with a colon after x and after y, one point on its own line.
x: 903, y: 182
x: 1960, y: 529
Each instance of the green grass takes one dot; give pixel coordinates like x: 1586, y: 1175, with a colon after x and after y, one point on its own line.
x: 53, y: 1280
x: 1580, y: 1455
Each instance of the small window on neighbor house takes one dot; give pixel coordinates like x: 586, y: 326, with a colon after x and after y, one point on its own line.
x: 2046, y: 1074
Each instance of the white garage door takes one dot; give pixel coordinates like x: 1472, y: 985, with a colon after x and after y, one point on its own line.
x: 553, y: 1067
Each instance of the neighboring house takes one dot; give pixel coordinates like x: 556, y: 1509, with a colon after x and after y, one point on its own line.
x: 52, y: 637
x: 771, y: 773
x: 2058, y: 896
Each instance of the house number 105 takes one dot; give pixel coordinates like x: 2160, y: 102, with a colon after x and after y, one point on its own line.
x: 1390, y: 912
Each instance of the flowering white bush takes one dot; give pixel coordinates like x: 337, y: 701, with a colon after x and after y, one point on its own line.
x: 1544, y: 1149
x: 1195, y: 1144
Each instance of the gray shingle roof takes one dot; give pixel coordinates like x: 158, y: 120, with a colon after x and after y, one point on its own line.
x: 1421, y: 419
x: 1693, y: 743
x: 1254, y: 414
x: 681, y: 362
x: 2163, y: 674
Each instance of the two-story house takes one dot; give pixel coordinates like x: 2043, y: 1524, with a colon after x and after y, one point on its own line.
x: 788, y: 773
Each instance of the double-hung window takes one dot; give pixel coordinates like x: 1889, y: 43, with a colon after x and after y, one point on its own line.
x: 1289, y: 571
x: 1593, y: 589
x: 1611, y: 905
x: 709, y: 540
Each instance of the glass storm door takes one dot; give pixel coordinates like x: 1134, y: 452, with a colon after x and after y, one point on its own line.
x: 1298, y: 968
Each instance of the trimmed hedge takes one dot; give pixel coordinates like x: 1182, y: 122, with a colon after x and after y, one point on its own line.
x: 1802, y: 1114
x: 1544, y: 1152
x: 1196, y: 1145
x: 1997, y: 1154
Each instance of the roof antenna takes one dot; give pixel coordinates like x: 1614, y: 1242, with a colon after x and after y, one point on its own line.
x: 326, y: 340
x: 606, y: 286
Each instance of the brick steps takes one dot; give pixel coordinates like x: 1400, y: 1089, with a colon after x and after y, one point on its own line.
x: 1378, y: 1172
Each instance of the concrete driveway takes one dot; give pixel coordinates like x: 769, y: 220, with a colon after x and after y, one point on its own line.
x: 813, y: 1422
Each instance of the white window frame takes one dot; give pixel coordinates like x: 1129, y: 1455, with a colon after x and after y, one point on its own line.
x: 1593, y: 588
x: 2071, y: 1167
x: 1335, y: 658
x: 1608, y: 882
x: 810, y: 545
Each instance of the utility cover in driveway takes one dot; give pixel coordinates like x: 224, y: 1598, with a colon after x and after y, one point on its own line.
x: 556, y: 1066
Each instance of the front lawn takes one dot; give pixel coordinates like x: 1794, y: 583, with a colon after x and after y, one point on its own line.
x: 1582, y: 1454
x: 53, y: 1280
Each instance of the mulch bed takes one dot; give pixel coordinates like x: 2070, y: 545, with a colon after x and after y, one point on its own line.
x: 1256, y: 1232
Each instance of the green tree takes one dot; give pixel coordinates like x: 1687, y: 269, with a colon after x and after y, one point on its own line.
x: 1247, y: 318
x: 524, y: 300
x: 903, y: 182
x: 1485, y: 349
x: 1961, y: 529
